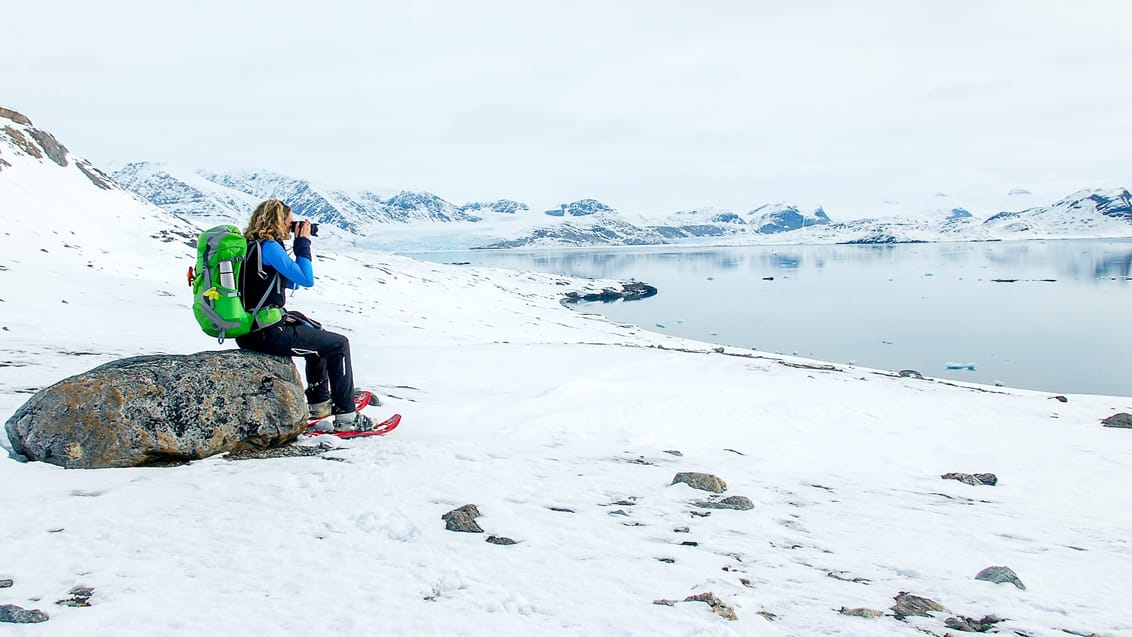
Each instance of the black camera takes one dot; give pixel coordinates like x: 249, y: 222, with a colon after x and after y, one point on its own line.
x: 295, y: 228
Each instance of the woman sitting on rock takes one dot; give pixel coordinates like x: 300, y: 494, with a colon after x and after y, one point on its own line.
x: 330, y: 376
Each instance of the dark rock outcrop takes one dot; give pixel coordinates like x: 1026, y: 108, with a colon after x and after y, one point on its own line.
x: 1121, y: 421
x: 631, y: 291
x: 154, y: 410
x: 701, y: 481
x: 18, y: 118
x: 55, y: 151
x: 463, y: 519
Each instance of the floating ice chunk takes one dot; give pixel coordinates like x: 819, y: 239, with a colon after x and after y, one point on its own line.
x: 970, y: 366
x: 711, y: 278
x: 660, y: 325
x: 713, y: 333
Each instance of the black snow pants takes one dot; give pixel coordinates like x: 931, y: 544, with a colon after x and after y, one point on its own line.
x: 330, y: 373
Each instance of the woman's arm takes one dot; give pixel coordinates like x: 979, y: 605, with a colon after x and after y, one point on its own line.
x: 297, y: 272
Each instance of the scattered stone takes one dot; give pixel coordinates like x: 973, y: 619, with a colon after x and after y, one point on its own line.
x: 664, y: 602
x: 745, y: 582
x: 79, y: 597
x: 734, y: 502
x: 853, y: 580
x: 6, y: 583
x: 500, y: 540
x: 689, y: 543
x: 679, y: 529
x: 977, y: 479
x: 867, y: 613
x: 1060, y: 399
x: 12, y: 614
x: 666, y: 560
x: 641, y: 460
x: 910, y: 373
x: 913, y: 605
x: 767, y: 615
x: 463, y: 519
x: 716, y: 604
x: 624, y: 503
x: 969, y: 625
x: 674, y: 452
x: 701, y: 481
x: 735, y: 452
x: 700, y: 514
x: 1000, y: 575
x: 619, y: 512
x: 561, y: 509
x: 1121, y: 420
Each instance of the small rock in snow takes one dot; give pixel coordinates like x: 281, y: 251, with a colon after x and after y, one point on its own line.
x: 971, y: 625
x: 716, y: 604
x: 463, y: 519
x: 910, y: 373
x: 913, y: 605
x: 79, y: 597
x: 673, y: 452
x: 502, y: 541
x: 561, y: 509
x: 735, y: 502
x: 1000, y: 575
x: 6, y: 583
x: 664, y: 602
x: 1060, y: 399
x: 12, y: 614
x: 976, y: 479
x: 679, y: 529
x: 1121, y: 420
x: 867, y: 613
x: 618, y: 512
x: 767, y: 615
x: 701, y: 481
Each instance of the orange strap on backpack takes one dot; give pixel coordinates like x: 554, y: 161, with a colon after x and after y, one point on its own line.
x: 190, y: 276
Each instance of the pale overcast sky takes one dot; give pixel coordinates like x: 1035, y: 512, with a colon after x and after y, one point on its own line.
x: 649, y: 106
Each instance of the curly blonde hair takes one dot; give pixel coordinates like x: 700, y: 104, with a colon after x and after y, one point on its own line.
x: 269, y: 221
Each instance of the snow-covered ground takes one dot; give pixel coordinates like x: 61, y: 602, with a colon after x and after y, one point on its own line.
x: 559, y: 426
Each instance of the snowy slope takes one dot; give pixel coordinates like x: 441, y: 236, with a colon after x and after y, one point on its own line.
x: 559, y: 426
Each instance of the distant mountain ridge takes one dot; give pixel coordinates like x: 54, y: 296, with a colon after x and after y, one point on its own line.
x: 506, y: 223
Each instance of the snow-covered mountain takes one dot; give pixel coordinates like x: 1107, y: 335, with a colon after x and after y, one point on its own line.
x: 422, y: 220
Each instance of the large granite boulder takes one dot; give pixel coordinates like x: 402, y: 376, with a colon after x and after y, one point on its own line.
x: 162, y: 409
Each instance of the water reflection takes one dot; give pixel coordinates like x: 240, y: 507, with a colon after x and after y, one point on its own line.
x: 913, y: 306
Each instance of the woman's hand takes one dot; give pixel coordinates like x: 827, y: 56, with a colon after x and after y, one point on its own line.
x: 304, y: 229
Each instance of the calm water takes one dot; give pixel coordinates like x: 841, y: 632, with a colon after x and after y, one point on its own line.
x: 1063, y: 326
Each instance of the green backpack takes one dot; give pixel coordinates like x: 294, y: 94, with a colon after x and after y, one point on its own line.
x: 224, y: 257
